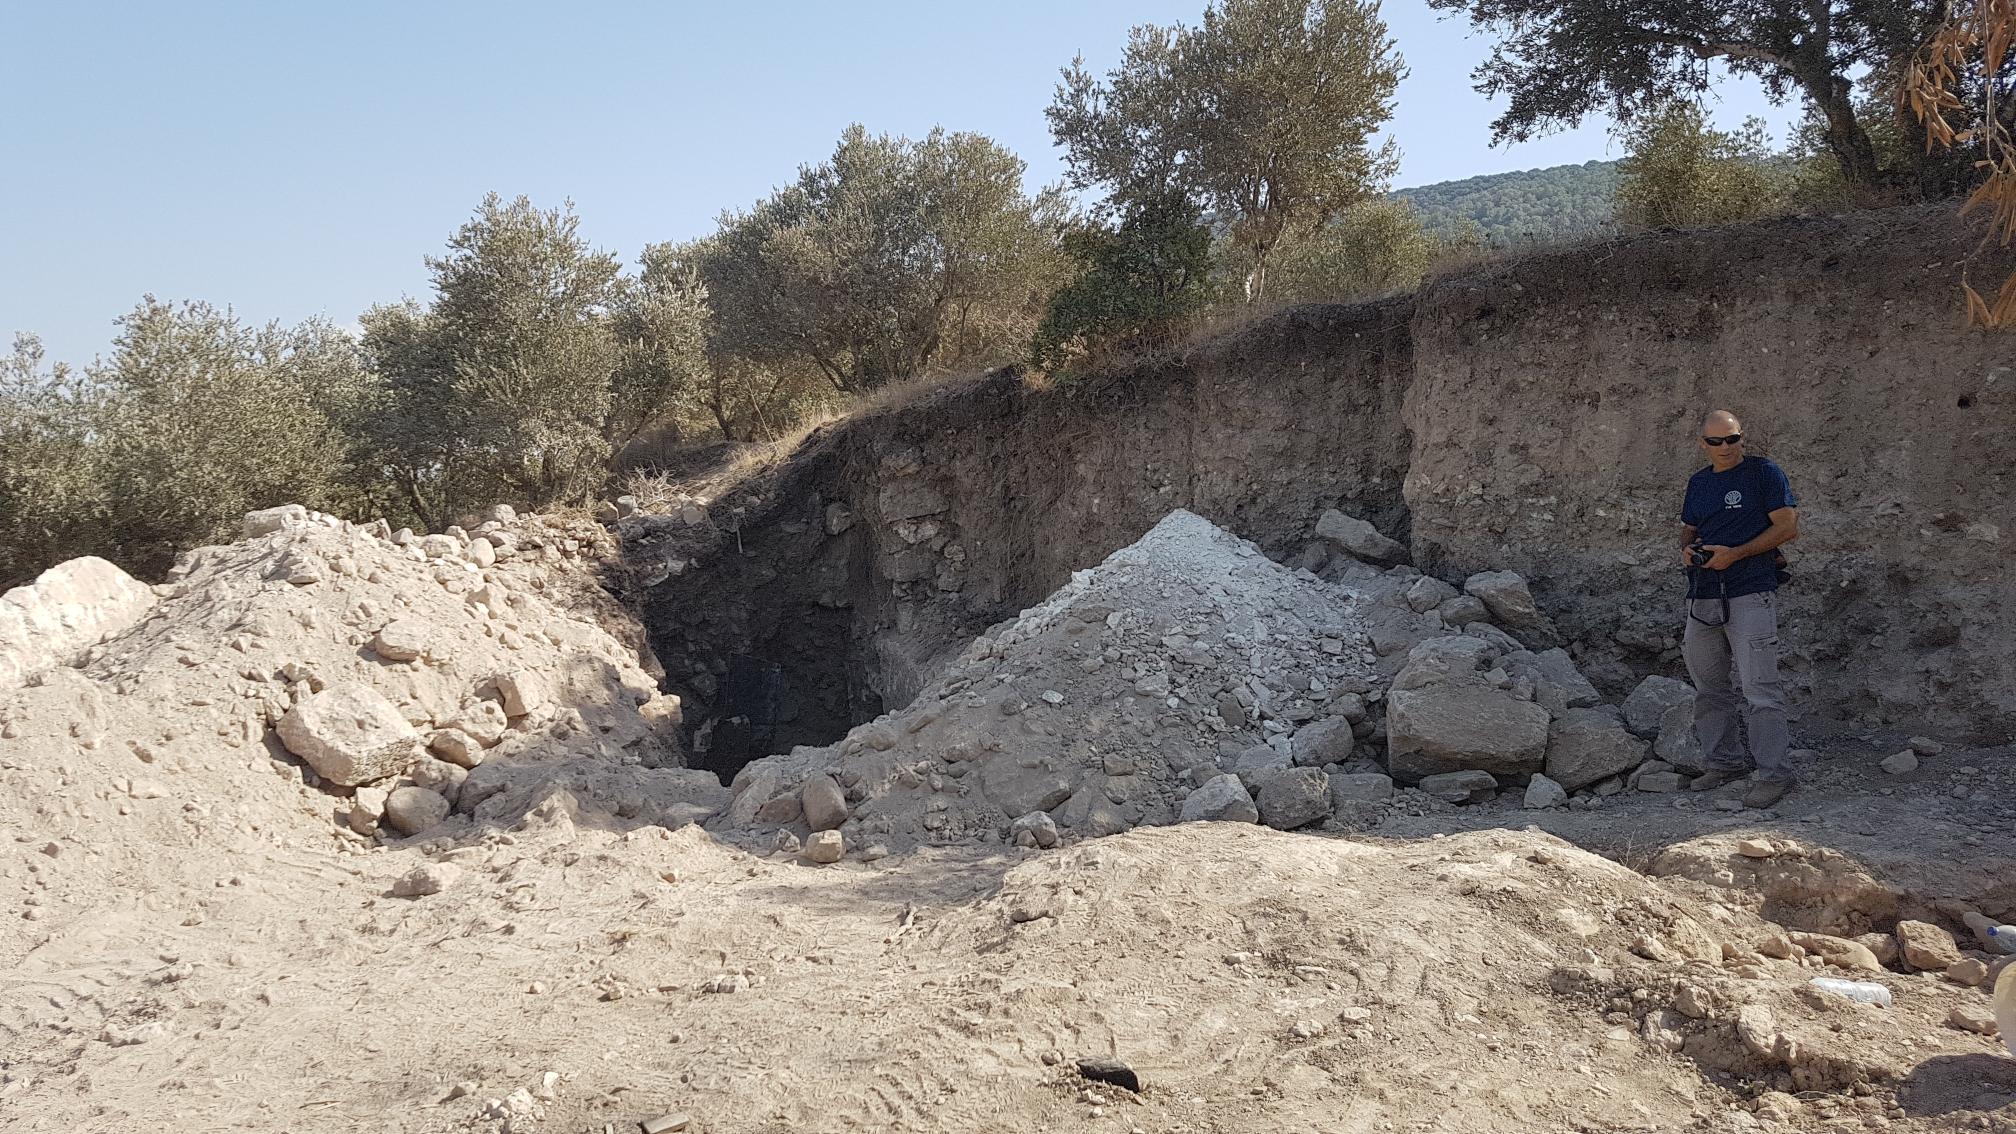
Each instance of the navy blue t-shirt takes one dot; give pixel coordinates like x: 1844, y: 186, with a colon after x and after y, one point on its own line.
x: 1731, y: 509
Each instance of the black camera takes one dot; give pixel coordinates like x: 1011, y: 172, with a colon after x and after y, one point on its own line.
x: 1698, y: 556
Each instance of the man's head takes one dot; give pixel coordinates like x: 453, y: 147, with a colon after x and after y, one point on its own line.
x: 1721, y: 438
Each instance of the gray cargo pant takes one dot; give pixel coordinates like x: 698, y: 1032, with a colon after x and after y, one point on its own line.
x: 1747, y: 648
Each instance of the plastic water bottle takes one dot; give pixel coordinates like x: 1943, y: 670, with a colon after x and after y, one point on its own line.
x: 1867, y: 992
x: 1994, y: 938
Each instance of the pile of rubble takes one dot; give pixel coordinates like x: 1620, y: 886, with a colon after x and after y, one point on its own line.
x: 1189, y: 677
x: 399, y: 684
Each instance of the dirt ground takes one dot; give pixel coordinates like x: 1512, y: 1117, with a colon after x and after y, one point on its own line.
x: 1406, y: 978
x: 202, y: 934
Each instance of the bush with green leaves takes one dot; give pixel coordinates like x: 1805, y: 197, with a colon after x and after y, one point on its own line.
x: 192, y: 421
x: 1681, y: 171
x: 1139, y: 280
x: 1374, y: 248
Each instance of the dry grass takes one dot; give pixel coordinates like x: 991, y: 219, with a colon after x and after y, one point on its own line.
x: 656, y: 489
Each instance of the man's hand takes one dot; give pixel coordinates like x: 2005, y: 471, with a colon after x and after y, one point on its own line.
x: 1720, y: 558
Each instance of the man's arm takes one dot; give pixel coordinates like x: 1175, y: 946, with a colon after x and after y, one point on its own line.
x: 1784, y: 528
x: 1688, y: 534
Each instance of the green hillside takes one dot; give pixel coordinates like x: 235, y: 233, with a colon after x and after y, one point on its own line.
x: 1532, y: 204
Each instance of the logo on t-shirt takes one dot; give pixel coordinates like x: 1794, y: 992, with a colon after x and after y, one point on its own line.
x: 1734, y: 499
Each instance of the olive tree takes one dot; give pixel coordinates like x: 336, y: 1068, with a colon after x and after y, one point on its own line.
x: 891, y: 259
x: 1557, y: 61
x: 1265, y: 114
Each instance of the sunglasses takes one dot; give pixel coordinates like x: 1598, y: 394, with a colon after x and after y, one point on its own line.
x: 1732, y: 439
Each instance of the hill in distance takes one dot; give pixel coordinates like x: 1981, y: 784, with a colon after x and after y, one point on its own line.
x: 1532, y: 204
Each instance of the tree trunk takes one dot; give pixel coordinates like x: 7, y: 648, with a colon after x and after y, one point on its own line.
x: 1846, y: 139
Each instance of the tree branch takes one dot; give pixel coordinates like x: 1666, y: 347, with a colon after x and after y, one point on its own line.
x: 1712, y: 49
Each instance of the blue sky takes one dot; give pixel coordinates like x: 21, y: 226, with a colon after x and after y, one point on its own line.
x: 293, y: 159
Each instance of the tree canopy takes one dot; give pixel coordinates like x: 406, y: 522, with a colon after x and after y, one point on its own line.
x: 1560, y: 60
x: 1265, y: 115
x: 887, y: 261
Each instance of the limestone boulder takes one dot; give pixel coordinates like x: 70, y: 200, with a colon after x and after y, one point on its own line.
x: 1677, y: 744
x: 1294, y: 798
x: 350, y: 734
x: 411, y: 810
x: 1588, y: 745
x: 67, y: 609
x: 1457, y: 728
x: 1328, y: 741
x: 1221, y: 799
x: 1647, y: 706
x: 823, y: 803
x: 266, y: 521
x: 1926, y: 947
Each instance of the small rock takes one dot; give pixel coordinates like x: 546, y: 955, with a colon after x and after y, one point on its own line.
x: 350, y: 734
x: 1926, y: 947
x: 824, y: 804
x: 1462, y: 611
x: 1648, y: 704
x: 456, y: 747
x: 1925, y: 746
x: 1358, y: 537
x: 411, y: 810
x: 1970, y: 971
x: 1543, y: 793
x: 1838, y: 951
x: 367, y: 809
x: 523, y: 692
x: 402, y: 640
x: 1221, y: 799
x: 1974, y: 1018
x: 1757, y: 1028
x: 431, y: 878
x: 1902, y: 762
x: 1036, y: 829
x: 1293, y: 798
x: 484, y: 721
x: 1755, y: 848
x: 1663, y: 782
x: 1470, y: 786
x: 666, y: 1123
x: 1428, y: 592
x: 825, y: 847
x: 266, y: 521
x: 1307, y: 1029
x: 1505, y: 594
x: 1361, y: 787
x: 1110, y: 1071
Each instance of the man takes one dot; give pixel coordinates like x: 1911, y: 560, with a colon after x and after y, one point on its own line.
x: 1737, y: 512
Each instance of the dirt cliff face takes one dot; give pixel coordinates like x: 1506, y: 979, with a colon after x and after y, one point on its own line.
x: 1552, y: 409
x: 1537, y: 416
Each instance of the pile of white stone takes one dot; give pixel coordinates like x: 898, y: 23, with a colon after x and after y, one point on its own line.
x: 1188, y: 677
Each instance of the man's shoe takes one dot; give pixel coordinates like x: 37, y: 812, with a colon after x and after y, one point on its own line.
x: 1764, y: 793
x: 1714, y: 778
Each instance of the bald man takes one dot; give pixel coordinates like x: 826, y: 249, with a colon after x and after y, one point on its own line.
x: 1737, y: 512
